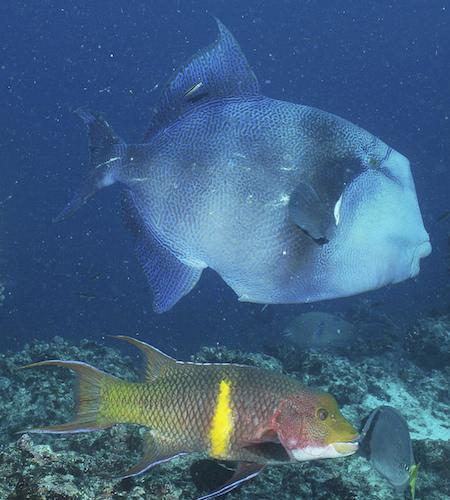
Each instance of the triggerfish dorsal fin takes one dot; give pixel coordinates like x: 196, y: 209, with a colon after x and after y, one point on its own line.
x: 157, y: 450
x: 156, y: 362
x: 217, y: 71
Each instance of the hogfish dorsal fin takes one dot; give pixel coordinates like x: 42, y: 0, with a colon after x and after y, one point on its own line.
x: 155, y: 360
x: 217, y: 71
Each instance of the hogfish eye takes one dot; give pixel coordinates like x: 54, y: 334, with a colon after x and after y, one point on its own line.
x: 322, y: 414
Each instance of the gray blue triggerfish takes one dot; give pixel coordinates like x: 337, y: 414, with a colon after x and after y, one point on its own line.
x: 286, y: 202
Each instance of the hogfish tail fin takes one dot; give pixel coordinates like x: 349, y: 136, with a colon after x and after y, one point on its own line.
x: 92, y: 412
x: 106, y: 152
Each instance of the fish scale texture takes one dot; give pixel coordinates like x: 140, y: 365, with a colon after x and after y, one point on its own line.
x: 179, y: 406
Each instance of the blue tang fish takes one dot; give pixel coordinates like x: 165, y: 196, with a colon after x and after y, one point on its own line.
x: 285, y: 202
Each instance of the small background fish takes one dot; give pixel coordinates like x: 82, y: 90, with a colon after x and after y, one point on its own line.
x: 319, y: 330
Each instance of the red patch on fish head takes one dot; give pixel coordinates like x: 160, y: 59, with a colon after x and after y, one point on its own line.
x: 309, y: 425
x: 294, y: 423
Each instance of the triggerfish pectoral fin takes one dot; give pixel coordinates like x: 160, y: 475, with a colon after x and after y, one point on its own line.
x: 311, y: 214
x: 244, y: 472
x: 157, y: 450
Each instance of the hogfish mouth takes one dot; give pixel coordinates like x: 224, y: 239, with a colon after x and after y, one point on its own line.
x: 333, y: 450
x: 345, y: 448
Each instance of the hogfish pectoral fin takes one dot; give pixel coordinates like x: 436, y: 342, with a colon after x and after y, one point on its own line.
x: 157, y: 450
x: 310, y: 213
x: 244, y: 472
x: 169, y: 278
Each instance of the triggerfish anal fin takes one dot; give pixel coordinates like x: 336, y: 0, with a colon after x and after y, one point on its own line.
x: 244, y: 472
x: 157, y: 450
x: 222, y: 70
x: 106, y: 150
x: 155, y: 361
x: 168, y: 277
x: 87, y: 414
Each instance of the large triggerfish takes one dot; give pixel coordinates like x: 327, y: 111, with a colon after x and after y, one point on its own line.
x: 286, y: 202
x: 248, y: 415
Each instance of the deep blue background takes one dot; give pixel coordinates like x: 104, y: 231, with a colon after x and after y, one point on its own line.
x: 383, y: 65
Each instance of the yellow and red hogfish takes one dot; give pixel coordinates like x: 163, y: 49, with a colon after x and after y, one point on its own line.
x: 231, y: 412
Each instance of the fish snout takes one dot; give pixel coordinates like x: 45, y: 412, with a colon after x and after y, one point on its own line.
x: 420, y: 252
x: 346, y: 448
x: 332, y: 450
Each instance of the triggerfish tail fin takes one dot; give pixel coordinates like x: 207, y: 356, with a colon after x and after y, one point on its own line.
x: 244, y: 472
x: 88, y: 414
x: 106, y: 151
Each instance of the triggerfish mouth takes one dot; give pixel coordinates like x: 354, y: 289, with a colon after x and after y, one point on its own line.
x: 285, y: 202
x: 244, y: 414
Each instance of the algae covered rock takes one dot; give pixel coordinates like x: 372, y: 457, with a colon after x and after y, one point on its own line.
x: 222, y: 354
x: 428, y: 342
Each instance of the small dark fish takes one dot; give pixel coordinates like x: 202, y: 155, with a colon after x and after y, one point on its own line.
x: 87, y: 296
x: 385, y: 441
x: 265, y: 314
x: 443, y: 216
x: 96, y: 276
x: 190, y: 93
x: 377, y: 303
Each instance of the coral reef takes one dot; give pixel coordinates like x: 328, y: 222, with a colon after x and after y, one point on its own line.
x: 84, y: 466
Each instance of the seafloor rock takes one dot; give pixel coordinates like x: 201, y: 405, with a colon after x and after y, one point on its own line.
x: 428, y: 342
x: 81, y: 466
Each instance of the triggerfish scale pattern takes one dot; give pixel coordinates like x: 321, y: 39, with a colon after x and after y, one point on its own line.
x: 240, y: 413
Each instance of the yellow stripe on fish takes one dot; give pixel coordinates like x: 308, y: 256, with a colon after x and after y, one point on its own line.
x: 222, y: 422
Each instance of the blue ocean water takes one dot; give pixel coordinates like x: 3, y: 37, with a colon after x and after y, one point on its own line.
x: 382, y: 65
